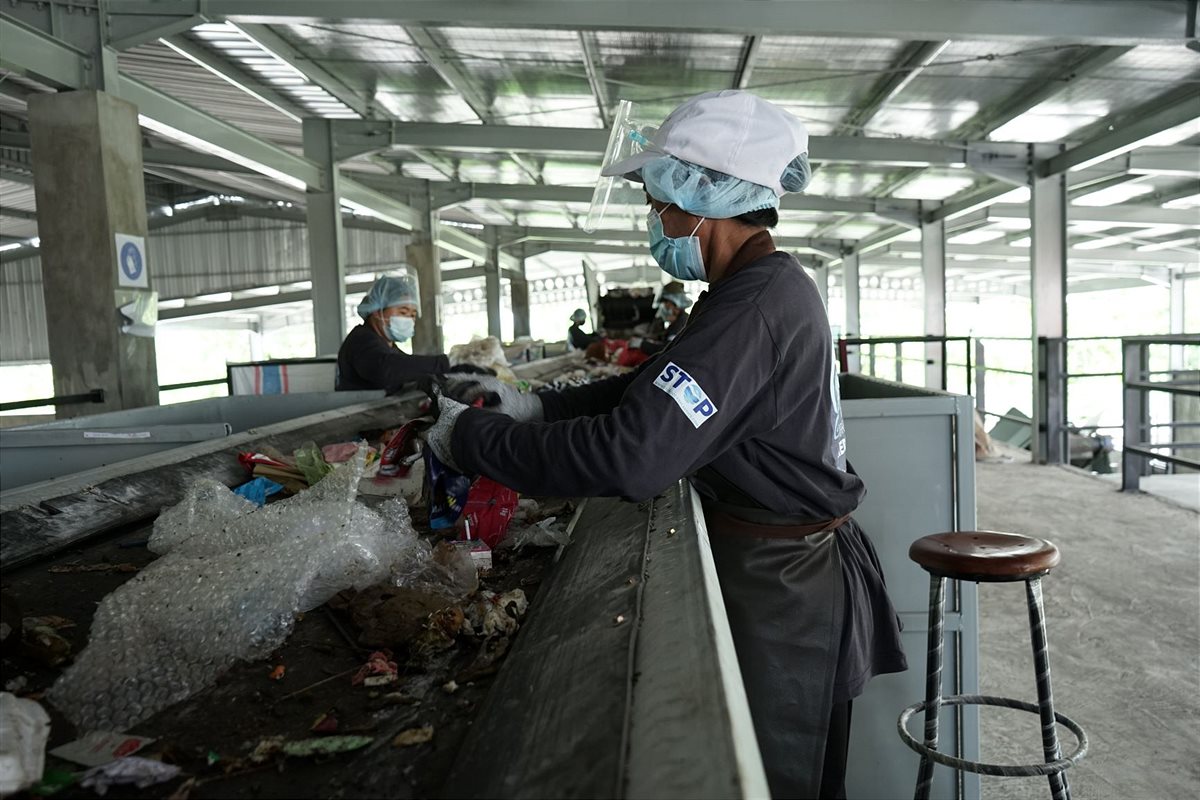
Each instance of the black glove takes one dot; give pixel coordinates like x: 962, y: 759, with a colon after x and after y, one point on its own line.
x: 470, y: 369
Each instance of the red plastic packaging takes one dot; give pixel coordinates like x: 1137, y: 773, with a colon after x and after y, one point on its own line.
x: 489, y: 510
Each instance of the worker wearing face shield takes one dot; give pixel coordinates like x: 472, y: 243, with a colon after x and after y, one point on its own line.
x: 577, y: 337
x: 669, y: 318
x: 744, y: 403
x: 369, y: 359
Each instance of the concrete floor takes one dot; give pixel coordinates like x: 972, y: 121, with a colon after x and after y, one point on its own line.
x: 1123, y: 614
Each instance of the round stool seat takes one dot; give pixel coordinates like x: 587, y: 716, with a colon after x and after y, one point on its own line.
x: 984, y: 555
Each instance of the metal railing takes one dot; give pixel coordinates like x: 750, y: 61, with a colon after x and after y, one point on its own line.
x: 92, y: 396
x: 871, y: 345
x: 1138, y: 451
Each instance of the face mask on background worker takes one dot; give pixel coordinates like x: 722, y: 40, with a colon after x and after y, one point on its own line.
x: 717, y: 156
x: 400, y: 328
x: 396, y: 293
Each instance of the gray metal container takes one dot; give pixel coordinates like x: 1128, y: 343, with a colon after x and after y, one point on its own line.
x: 915, y: 450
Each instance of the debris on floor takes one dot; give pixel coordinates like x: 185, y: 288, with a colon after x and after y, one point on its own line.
x: 100, y: 747
x: 131, y: 770
x: 414, y: 736
x: 324, y: 746
x: 379, y: 670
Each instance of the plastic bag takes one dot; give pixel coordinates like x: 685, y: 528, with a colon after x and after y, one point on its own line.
x: 24, y: 729
x: 258, y: 490
x: 229, y: 586
x: 448, y: 492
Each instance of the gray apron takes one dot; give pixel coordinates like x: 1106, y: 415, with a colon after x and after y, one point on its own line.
x: 786, y: 602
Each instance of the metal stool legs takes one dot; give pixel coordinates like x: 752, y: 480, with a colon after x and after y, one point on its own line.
x: 1055, y: 764
x: 933, y: 681
x: 1059, y: 788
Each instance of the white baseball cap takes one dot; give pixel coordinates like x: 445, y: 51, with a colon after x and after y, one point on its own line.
x: 730, y: 131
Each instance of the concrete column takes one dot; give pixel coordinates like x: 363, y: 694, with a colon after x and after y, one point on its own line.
x: 1048, y: 285
x: 87, y: 177
x: 424, y: 257
x: 520, y: 301
x: 326, y: 245
x: 851, y: 289
x: 933, y: 276
x: 492, y: 281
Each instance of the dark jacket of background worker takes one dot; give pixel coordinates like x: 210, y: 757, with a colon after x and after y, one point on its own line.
x: 368, y: 357
x: 577, y: 337
x: 669, y: 321
x: 745, y: 403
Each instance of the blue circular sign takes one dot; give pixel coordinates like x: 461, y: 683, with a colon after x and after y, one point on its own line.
x: 131, y: 261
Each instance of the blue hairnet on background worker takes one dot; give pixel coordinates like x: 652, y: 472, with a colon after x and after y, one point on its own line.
x: 369, y: 358
x: 744, y: 402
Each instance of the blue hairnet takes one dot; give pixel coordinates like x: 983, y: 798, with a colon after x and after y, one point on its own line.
x: 680, y: 300
x: 715, y: 195
x: 388, y: 291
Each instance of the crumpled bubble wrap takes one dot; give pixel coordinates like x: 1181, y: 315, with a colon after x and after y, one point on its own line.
x: 546, y: 533
x: 228, y: 586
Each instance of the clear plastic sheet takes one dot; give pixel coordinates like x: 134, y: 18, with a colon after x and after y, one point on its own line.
x: 228, y: 586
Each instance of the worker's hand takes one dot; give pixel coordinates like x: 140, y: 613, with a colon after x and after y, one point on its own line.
x: 440, y: 437
x: 497, y: 396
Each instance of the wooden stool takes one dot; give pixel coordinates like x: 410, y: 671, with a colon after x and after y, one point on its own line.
x: 994, y: 557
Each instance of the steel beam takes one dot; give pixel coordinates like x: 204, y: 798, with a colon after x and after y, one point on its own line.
x: 746, y: 66
x: 1132, y: 216
x: 514, y: 235
x: 231, y: 73
x: 1116, y: 255
x: 851, y: 297
x: 30, y: 52
x: 595, y: 74
x: 1127, y: 130
x: 1081, y: 21
x: 423, y: 255
x: 430, y: 48
x: 1036, y: 91
x: 908, y: 66
x: 933, y: 283
x: 357, y: 137
x: 274, y: 43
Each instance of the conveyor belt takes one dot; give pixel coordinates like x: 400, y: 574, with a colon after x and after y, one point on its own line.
x: 624, y: 682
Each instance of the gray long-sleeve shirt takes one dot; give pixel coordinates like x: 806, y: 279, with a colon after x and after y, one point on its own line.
x: 747, y: 390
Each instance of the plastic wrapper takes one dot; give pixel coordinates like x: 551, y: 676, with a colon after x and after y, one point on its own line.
x: 487, y: 353
x: 488, y: 510
x: 312, y: 463
x: 228, y: 586
x: 547, y: 533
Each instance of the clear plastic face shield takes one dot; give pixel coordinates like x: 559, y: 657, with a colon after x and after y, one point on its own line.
x: 630, y: 136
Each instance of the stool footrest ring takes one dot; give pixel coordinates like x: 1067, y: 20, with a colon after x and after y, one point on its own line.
x: 1004, y: 770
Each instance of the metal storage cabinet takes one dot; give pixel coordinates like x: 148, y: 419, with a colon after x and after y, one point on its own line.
x: 915, y: 450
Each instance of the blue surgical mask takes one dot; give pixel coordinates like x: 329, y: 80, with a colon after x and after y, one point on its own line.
x: 400, y: 329
x: 679, y: 256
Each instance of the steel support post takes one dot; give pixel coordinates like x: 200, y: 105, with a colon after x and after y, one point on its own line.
x: 933, y: 275
x: 1136, y: 414
x: 325, y: 239
x: 424, y: 256
x: 980, y: 376
x: 850, y: 287
x: 1048, y: 282
x: 592, y: 288
x: 519, y: 288
x: 1178, y: 315
x: 491, y: 278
